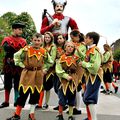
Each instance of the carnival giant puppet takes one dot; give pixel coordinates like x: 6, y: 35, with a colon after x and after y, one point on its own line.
x: 58, y: 23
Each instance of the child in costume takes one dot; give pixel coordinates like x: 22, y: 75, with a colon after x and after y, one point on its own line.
x: 78, y: 39
x: 108, y: 68
x: 35, y: 62
x: 48, y: 78
x: 94, y: 74
x: 60, y: 42
x: 66, y: 69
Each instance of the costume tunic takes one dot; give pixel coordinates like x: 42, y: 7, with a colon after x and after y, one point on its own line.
x: 92, y: 64
x: 48, y: 79
x: 107, y: 61
x: 107, y: 66
x: 67, y: 65
x: 12, y: 44
x: 80, y: 52
x: 34, y: 61
x: 93, y: 75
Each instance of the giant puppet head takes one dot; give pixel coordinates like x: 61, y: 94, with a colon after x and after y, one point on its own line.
x: 59, y: 5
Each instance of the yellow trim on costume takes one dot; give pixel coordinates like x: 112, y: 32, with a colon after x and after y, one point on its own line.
x: 64, y: 88
x: 25, y: 90
x: 93, y: 77
x: 71, y: 88
x: 47, y: 76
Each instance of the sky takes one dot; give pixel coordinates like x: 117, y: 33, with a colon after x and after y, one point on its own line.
x: 101, y: 16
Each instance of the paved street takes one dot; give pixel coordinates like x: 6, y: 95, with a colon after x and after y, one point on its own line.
x: 108, y: 108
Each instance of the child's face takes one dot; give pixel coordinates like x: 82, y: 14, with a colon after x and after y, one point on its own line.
x: 75, y: 38
x: 47, y: 38
x: 17, y: 31
x: 88, y: 40
x: 60, y: 40
x: 69, y: 48
x: 105, y: 49
x: 37, y: 42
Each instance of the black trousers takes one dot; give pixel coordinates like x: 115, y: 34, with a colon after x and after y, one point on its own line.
x: 34, y: 97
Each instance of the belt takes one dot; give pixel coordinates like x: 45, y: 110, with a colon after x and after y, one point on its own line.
x: 33, y: 68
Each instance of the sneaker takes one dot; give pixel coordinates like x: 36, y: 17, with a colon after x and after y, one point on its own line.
x: 4, y: 104
x: 59, y: 117
x: 45, y: 106
x: 38, y: 107
x: 103, y: 91
x: 108, y: 92
x: 30, y: 118
x: 57, y: 108
x: 15, y: 117
x: 76, y: 112
x: 111, y: 92
x: 71, y: 118
x: 116, y: 89
x: 65, y: 107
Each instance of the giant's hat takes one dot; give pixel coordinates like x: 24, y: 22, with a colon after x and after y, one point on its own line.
x: 63, y: 2
x: 18, y: 25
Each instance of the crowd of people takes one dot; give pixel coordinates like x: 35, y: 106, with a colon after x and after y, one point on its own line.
x: 52, y: 61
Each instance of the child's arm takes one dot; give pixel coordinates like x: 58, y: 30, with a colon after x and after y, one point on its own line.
x: 48, y: 62
x: 53, y: 53
x: 81, y: 52
x: 106, y: 57
x: 94, y: 64
x: 17, y: 58
x: 60, y: 72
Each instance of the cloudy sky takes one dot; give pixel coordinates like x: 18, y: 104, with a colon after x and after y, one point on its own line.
x: 101, y: 16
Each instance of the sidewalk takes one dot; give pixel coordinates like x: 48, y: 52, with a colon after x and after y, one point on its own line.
x: 108, y: 108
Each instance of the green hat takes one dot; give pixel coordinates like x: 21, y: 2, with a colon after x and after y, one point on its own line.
x: 18, y: 25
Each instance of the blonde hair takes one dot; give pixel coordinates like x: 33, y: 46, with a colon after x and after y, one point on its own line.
x: 107, y: 47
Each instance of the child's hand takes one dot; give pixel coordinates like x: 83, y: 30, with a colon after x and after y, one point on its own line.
x: 44, y: 72
x: 69, y: 78
x: 80, y: 63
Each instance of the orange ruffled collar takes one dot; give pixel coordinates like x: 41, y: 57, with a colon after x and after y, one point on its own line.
x: 35, y: 52
x: 69, y: 59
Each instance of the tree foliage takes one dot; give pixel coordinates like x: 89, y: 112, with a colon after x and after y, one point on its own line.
x: 117, y: 55
x: 30, y: 28
x: 6, y: 21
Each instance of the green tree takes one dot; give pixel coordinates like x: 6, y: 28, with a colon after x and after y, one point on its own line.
x: 6, y: 21
x: 9, y: 17
x: 116, y: 55
x: 30, y: 28
x: 4, y: 31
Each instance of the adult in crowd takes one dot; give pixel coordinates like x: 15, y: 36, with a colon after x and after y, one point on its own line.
x: 12, y: 44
